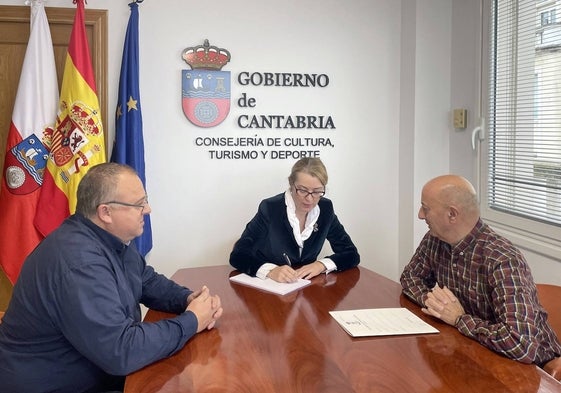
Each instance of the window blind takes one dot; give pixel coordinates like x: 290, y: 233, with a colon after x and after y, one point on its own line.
x: 524, y: 154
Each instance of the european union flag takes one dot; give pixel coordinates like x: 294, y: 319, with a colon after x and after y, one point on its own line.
x: 129, y: 142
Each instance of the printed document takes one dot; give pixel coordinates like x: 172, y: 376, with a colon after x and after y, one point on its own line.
x: 381, y: 322
x: 270, y: 285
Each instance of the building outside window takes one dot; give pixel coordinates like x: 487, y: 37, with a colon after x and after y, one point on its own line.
x: 522, y: 183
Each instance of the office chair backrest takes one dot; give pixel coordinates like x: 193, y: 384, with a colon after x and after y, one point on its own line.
x: 549, y: 296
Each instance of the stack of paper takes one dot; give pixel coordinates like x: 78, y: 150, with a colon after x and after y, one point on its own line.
x: 270, y: 285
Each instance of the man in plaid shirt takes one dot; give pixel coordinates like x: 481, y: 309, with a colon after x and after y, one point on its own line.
x: 474, y: 279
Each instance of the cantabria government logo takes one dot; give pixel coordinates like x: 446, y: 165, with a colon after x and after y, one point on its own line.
x: 205, y: 88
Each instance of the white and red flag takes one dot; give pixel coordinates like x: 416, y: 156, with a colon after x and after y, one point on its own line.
x: 33, y: 119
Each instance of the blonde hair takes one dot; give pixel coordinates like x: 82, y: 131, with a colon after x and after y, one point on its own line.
x: 310, y: 165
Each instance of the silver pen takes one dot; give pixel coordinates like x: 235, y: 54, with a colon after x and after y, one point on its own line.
x: 287, y: 259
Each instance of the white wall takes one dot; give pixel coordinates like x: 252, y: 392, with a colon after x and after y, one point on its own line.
x: 396, y: 71
x: 202, y: 205
x: 424, y: 115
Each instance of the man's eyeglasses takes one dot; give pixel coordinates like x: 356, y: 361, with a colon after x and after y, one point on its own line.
x: 304, y: 193
x: 141, y: 205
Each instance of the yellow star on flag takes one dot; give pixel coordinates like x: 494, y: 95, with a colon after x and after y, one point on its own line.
x: 131, y: 104
x: 119, y: 113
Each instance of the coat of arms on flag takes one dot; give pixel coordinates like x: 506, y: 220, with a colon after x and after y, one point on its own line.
x: 206, y: 89
x: 77, y: 142
x: 24, y: 166
x: 79, y: 123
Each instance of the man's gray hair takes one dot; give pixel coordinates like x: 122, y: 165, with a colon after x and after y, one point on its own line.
x: 99, y: 185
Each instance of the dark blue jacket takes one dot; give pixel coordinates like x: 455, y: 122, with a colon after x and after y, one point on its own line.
x: 269, y: 234
x: 74, y: 321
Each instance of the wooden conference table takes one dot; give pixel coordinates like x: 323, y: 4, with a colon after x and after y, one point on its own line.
x: 270, y: 343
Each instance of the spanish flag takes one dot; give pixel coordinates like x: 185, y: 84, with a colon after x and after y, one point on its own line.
x: 77, y: 142
x: 33, y: 119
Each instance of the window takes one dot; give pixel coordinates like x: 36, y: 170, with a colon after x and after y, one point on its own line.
x: 523, y: 147
x: 547, y: 17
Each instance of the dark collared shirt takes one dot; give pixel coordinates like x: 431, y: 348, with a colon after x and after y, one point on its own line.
x: 493, y: 282
x: 74, y: 321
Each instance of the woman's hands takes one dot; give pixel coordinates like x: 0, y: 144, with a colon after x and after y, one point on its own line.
x: 283, y: 273
x: 287, y: 274
x: 311, y: 270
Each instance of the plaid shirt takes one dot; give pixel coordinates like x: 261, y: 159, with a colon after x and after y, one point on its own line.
x: 493, y: 282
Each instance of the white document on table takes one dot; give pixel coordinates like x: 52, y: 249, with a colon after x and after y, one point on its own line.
x: 270, y: 285
x: 381, y: 322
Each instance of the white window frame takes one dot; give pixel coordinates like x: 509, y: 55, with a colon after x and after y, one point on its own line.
x: 533, y: 235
